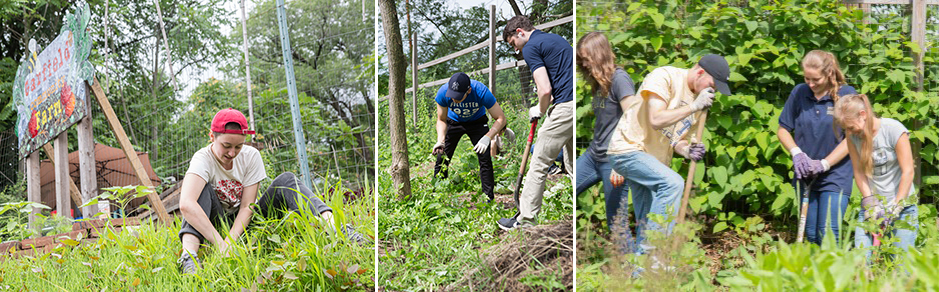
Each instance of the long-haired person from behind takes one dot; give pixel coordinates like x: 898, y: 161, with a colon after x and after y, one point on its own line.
x: 807, y: 131
x: 610, y: 87
x: 883, y: 168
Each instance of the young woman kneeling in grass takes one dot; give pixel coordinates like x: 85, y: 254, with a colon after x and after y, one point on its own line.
x: 222, y: 183
x: 883, y: 169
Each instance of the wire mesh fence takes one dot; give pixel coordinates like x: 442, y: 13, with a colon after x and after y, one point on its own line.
x: 166, y: 100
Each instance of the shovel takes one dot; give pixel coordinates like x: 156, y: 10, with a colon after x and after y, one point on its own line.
x: 689, y: 181
x: 521, y: 169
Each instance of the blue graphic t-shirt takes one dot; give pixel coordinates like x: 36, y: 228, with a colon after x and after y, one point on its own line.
x: 470, y: 109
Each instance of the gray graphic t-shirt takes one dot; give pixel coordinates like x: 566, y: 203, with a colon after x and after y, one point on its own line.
x: 608, y: 111
x: 886, y: 175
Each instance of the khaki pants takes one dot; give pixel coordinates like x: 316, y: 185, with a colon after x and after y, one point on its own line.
x: 556, y: 132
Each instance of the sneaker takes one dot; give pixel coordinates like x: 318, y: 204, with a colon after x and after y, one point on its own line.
x: 188, y: 264
x: 554, y: 169
x: 355, y: 236
x: 508, y: 224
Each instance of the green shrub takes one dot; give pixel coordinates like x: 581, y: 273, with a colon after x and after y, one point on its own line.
x: 745, y: 170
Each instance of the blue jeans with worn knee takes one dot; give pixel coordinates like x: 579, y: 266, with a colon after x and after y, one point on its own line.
x: 656, y: 189
x: 906, y: 238
x: 826, y: 210
x: 589, y: 173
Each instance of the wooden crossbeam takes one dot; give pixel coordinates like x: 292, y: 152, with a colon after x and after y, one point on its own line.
x: 486, y: 43
x: 128, y: 148
x: 73, y: 189
x: 500, y: 67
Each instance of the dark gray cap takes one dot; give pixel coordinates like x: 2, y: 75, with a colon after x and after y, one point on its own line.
x: 717, y: 67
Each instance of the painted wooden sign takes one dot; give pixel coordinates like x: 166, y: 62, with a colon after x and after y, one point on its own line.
x: 49, y: 90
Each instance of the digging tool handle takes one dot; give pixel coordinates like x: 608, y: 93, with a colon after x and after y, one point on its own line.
x: 803, y: 215
x: 525, y: 156
x: 689, y: 181
x: 804, y: 212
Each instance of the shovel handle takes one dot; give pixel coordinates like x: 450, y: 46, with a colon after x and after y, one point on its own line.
x: 689, y: 180
x: 525, y: 156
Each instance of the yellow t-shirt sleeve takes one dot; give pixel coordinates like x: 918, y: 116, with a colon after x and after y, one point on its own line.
x: 656, y: 82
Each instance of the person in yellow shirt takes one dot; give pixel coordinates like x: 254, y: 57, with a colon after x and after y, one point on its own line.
x: 655, y: 124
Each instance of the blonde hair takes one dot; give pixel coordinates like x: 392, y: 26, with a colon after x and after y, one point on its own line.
x: 596, y: 61
x: 848, y: 109
x: 827, y: 65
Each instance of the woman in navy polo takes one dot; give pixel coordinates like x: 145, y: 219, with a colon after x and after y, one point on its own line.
x: 817, y: 146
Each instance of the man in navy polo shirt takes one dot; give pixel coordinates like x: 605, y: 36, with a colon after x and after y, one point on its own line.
x: 461, y: 109
x: 551, y: 61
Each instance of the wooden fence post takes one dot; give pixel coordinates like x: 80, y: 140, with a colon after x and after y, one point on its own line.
x: 63, y: 203
x: 33, y: 185
x: 86, y: 160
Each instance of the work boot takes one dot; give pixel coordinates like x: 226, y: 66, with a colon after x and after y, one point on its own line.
x: 188, y: 264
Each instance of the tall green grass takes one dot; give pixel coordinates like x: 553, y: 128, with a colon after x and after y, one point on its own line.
x: 289, y: 253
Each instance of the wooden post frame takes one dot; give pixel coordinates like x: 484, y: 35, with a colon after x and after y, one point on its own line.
x: 492, y: 49
x: 121, y: 136
x: 72, y: 188
x: 33, y: 185
x: 86, y: 161
x: 63, y: 204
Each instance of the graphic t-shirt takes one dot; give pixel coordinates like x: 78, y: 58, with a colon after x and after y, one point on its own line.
x: 247, y: 169
x: 885, y: 179
x: 608, y: 111
x: 634, y: 133
x: 470, y: 109
x: 557, y: 56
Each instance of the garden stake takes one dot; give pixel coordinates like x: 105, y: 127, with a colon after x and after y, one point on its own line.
x: 689, y: 181
x: 521, y: 169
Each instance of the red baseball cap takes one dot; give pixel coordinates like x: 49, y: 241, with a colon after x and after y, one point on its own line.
x: 230, y: 115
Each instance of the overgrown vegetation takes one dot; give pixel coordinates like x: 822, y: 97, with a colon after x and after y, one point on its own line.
x: 433, y: 238
x: 745, y: 203
x: 444, y: 236
x: 290, y: 253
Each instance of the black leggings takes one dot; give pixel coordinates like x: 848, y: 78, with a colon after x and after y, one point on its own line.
x: 279, y: 196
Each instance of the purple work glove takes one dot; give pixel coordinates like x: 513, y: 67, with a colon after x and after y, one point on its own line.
x: 817, y: 167
x: 693, y: 151
x: 696, y: 151
x: 873, y: 207
x: 800, y: 163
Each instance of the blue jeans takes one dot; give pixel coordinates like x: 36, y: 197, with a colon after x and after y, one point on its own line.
x: 656, y: 189
x: 826, y: 210
x: 906, y: 237
x: 589, y: 173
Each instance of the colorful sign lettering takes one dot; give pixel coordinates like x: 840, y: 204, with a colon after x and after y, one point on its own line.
x: 49, y: 90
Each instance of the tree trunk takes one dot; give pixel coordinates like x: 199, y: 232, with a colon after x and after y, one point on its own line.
x: 400, y: 173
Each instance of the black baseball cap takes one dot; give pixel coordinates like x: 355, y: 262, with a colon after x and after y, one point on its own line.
x: 458, y: 85
x: 717, y: 67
